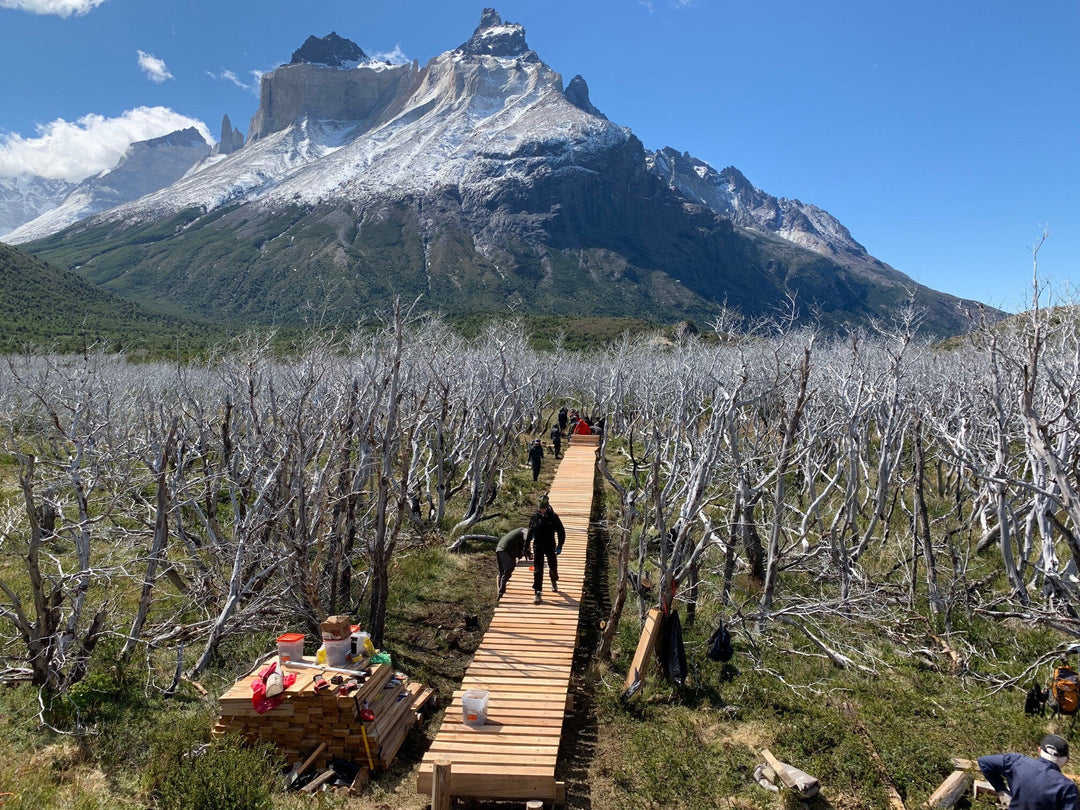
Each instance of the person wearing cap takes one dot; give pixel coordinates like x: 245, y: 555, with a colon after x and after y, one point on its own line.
x: 536, y: 455
x: 1026, y: 783
x: 544, y: 527
x: 510, y: 549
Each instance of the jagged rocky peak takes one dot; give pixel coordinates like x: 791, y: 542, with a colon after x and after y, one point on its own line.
x: 577, y: 93
x: 493, y: 37
x: 231, y: 138
x: 189, y: 137
x: 331, y: 51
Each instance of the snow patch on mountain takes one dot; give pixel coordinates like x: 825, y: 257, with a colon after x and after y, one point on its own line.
x: 471, y: 122
x: 27, y: 197
x: 731, y: 195
x: 145, y: 167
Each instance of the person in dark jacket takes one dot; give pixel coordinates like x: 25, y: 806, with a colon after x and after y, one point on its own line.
x: 536, y: 455
x: 510, y: 549
x: 544, y: 527
x: 556, y: 440
x: 1025, y: 783
x: 563, y: 416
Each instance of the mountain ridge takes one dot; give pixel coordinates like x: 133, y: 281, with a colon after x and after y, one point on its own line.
x: 477, y: 180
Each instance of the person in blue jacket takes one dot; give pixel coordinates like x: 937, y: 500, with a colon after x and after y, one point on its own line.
x: 1026, y: 783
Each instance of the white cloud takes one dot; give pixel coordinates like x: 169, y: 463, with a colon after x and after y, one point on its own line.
x: 231, y: 77
x: 61, y: 8
x: 153, y: 67
x: 394, y: 57
x: 75, y: 150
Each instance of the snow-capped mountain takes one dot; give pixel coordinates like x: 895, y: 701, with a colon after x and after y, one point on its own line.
x: 26, y: 197
x: 482, y: 183
x: 145, y: 167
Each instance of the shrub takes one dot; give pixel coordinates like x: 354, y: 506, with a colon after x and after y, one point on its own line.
x: 186, y: 773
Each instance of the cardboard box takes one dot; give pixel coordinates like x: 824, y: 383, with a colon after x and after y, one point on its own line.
x: 336, y: 628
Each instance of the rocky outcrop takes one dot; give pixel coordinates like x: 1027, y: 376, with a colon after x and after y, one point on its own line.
x: 731, y: 195
x: 493, y: 37
x: 577, y: 93
x: 329, y: 51
x: 231, y: 139
x: 293, y: 91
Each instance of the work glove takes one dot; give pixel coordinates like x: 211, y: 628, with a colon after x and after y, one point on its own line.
x: 1004, y: 799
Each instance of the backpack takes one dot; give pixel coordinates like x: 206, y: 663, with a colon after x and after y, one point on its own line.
x: 720, y: 645
x: 1064, y: 690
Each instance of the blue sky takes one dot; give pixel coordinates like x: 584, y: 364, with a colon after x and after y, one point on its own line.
x: 945, y: 135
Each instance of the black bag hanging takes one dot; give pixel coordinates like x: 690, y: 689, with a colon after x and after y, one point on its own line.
x: 673, y: 657
x: 721, y: 647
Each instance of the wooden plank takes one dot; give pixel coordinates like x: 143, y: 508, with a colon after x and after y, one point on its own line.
x: 448, y: 746
x: 954, y: 788
x: 318, y: 781
x: 649, y: 635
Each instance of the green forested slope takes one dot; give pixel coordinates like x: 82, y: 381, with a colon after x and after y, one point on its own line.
x: 44, y: 306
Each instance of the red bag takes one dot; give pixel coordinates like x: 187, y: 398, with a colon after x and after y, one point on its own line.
x: 260, y: 701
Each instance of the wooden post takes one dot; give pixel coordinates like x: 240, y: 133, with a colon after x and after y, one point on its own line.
x: 440, y: 784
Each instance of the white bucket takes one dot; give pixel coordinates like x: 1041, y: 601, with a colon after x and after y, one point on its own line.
x: 337, y: 651
x: 474, y: 707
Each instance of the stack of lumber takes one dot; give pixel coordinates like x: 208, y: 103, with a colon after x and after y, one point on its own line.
x: 306, y: 718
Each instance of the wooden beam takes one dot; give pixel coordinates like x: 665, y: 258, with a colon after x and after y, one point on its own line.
x: 649, y: 635
x: 952, y: 790
x: 319, y: 781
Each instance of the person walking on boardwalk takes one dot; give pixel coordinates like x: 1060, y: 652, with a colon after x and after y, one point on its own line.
x: 1025, y: 783
x: 536, y: 455
x: 544, y: 527
x: 556, y: 440
x: 510, y: 549
x: 563, y: 416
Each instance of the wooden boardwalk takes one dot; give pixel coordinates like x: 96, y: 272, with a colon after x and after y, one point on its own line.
x: 524, y: 664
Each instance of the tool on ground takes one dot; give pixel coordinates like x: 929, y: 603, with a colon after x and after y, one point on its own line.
x: 364, y: 715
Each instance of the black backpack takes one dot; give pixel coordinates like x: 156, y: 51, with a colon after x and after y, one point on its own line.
x: 720, y: 646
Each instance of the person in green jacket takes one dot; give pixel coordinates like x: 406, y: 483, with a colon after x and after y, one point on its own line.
x: 510, y: 549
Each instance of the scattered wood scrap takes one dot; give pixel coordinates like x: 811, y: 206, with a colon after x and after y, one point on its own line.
x: 296, y: 774
x: 792, y: 778
x: 319, y: 781
x: 952, y: 790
